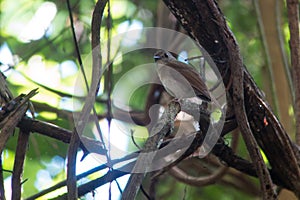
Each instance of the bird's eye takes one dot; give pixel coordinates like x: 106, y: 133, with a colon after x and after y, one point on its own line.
x: 166, y: 55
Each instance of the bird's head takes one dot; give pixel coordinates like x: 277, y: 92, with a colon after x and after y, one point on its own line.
x: 163, y: 56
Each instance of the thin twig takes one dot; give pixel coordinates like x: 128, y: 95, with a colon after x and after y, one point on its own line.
x: 181, y: 175
x: 83, y: 175
x: 145, y: 193
x: 109, y: 81
x: 76, y: 44
x: 19, y: 163
x: 293, y: 18
x: 74, y: 143
x: 2, y: 191
x: 92, y: 91
x: 97, y: 70
x: 287, y: 69
x: 224, y: 152
x: 71, y: 166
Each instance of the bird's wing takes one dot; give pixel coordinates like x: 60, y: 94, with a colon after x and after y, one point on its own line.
x: 194, y: 78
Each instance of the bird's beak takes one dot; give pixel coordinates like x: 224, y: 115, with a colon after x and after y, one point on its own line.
x: 156, y: 57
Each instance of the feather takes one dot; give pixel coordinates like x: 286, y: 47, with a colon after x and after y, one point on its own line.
x: 164, y: 58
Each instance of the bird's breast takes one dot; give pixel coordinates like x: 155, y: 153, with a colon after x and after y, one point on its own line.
x: 174, y: 82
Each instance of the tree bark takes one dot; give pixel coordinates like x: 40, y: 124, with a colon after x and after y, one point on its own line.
x: 199, y: 21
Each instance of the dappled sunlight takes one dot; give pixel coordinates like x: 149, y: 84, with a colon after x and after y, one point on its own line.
x: 39, y: 23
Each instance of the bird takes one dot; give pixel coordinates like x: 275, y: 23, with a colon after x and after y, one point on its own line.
x: 180, y: 79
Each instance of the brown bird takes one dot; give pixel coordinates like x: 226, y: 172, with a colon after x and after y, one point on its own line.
x: 179, y: 79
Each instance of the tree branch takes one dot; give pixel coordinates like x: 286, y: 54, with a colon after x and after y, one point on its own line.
x: 236, y: 63
x: 19, y: 163
x: 293, y: 18
x: 198, y: 20
x: 144, y: 160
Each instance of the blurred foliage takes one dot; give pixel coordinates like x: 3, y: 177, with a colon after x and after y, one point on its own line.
x: 46, y: 56
x: 240, y: 17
